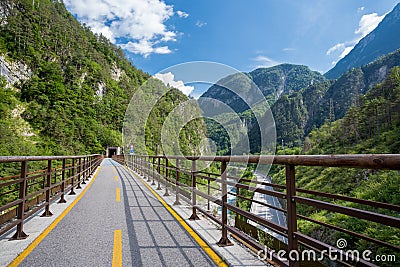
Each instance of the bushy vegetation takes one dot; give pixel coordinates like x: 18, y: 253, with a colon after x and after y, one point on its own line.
x: 297, y: 114
x: 73, y: 100
x: 372, y: 126
x: 80, y: 84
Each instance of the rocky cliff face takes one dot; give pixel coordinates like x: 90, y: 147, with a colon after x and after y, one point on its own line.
x: 13, y: 72
x: 4, y: 12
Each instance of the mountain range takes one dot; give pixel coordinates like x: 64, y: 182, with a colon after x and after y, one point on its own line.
x: 384, y: 39
x: 302, y: 100
x: 273, y: 82
x: 296, y: 115
x: 65, y: 89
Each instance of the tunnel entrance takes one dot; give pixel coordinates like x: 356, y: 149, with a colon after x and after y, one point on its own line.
x: 113, y: 150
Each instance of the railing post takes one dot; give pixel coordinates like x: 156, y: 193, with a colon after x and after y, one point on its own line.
x: 177, y: 183
x: 73, y: 178
x: 208, y: 191
x: 224, y: 241
x: 84, y: 164
x: 47, y: 212
x: 90, y: 165
x: 154, y: 172
x: 98, y: 160
x: 62, y: 199
x: 79, y: 173
x: 166, y: 194
x: 237, y: 193
x: 291, y: 211
x: 143, y: 165
x: 87, y: 168
x: 21, y: 206
x: 135, y: 163
x: 151, y: 169
x: 84, y: 171
x: 148, y: 167
x: 193, y: 178
x: 140, y: 168
x: 159, y: 174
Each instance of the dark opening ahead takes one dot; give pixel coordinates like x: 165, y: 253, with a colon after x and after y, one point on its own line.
x: 112, y: 152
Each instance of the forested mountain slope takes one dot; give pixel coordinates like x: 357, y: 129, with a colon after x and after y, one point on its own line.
x: 296, y: 115
x: 66, y: 89
x: 273, y: 82
x: 373, y: 126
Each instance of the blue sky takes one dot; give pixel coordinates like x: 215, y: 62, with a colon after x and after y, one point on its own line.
x: 242, y: 34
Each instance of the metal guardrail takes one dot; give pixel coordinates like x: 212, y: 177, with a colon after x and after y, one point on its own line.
x: 185, y: 180
x: 36, y: 183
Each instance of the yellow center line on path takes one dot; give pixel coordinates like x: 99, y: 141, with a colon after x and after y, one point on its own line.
x: 116, y: 178
x: 117, y: 251
x: 39, y: 239
x: 118, y: 194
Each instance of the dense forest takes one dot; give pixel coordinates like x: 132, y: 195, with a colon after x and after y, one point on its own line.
x: 297, y: 114
x: 273, y: 82
x: 66, y: 89
x: 372, y: 126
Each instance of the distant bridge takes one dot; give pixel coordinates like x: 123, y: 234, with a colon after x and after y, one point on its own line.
x: 119, y: 222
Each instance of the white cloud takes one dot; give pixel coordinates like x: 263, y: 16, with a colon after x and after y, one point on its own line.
x: 98, y: 27
x: 145, y: 48
x: 264, y: 62
x: 339, y: 46
x: 346, y: 51
x: 138, y: 26
x: 366, y: 25
x: 169, y: 80
x: 200, y: 23
x: 182, y: 14
x: 361, y: 8
x: 288, y: 49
